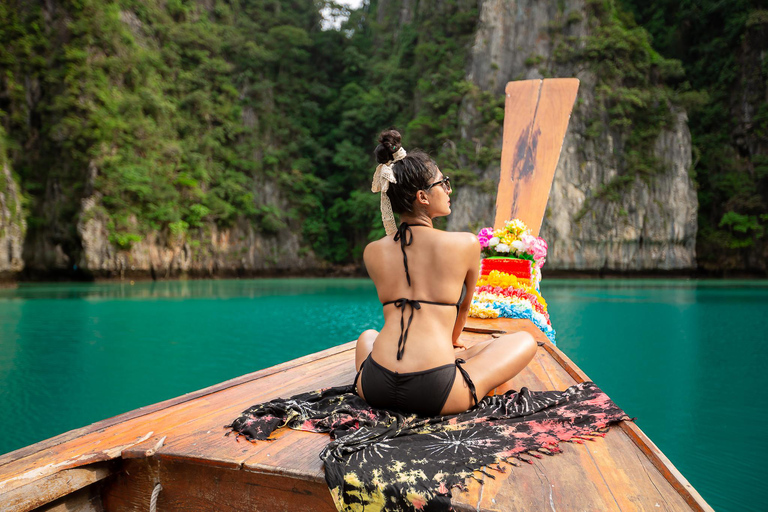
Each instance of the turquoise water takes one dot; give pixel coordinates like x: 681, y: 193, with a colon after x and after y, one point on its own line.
x: 688, y: 359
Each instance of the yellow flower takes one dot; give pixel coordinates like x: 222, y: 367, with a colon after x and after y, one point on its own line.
x: 516, y: 226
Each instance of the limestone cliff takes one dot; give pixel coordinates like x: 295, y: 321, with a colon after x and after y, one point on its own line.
x: 72, y: 233
x: 211, y: 251
x: 13, y: 226
x: 648, y: 222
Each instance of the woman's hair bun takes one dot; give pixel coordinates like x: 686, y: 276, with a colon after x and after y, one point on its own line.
x: 389, y: 144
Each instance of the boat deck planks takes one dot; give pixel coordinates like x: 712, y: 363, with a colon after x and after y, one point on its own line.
x: 181, y: 444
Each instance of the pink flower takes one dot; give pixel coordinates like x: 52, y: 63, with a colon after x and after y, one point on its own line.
x: 484, y: 236
x: 537, y: 248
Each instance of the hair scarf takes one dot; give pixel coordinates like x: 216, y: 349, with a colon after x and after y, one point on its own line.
x: 383, y: 176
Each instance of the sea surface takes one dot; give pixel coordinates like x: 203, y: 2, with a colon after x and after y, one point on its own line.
x: 689, y: 359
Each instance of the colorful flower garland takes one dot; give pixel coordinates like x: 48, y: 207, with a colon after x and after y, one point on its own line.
x: 513, y: 293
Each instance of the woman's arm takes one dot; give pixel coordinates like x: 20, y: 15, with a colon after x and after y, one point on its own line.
x: 472, y: 262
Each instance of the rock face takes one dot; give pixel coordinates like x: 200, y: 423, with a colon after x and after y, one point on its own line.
x: 649, y: 224
x: 12, y: 224
x: 239, y: 250
x: 749, y: 140
x: 71, y: 233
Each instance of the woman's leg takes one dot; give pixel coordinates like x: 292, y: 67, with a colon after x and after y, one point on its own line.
x: 362, y: 351
x: 494, y: 364
x: 467, y: 354
x: 364, y: 346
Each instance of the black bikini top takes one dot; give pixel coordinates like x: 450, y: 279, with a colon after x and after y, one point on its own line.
x: 405, y: 236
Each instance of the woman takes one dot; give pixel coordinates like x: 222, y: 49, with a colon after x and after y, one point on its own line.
x: 425, y: 279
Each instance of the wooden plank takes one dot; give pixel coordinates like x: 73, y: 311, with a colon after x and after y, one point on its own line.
x: 294, y: 454
x: 662, y: 464
x: 562, y: 482
x: 569, y: 481
x: 100, y: 425
x: 193, y: 488
x: 203, y: 440
x: 632, y: 477
x: 629, y: 479
x: 197, y: 439
x: 665, y: 467
x: 131, y: 489
x: 87, y: 499
x: 486, y: 325
x: 536, y: 115
x: 546, y: 482
x: 53, y: 487
x: 522, y: 99
x: 505, y: 325
x: 114, y: 439
x: 77, y: 455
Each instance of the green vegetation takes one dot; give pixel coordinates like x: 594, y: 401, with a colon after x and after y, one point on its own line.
x: 180, y: 113
x: 16, y: 213
x: 637, y: 90
x: 722, y: 46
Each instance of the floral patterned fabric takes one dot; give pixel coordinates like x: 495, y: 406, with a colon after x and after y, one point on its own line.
x: 381, y: 460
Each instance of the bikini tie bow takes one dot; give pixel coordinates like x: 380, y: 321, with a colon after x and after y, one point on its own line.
x: 402, y: 304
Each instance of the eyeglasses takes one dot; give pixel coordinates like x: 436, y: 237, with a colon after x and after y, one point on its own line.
x: 445, y: 182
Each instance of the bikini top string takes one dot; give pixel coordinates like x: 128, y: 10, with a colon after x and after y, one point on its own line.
x: 405, y: 236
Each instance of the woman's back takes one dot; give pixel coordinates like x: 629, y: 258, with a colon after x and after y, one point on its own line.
x: 440, y: 264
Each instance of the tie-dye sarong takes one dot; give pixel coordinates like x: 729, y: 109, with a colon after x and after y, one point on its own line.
x: 380, y: 460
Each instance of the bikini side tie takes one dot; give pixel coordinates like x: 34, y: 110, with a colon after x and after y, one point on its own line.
x: 467, y: 379
x: 405, y: 241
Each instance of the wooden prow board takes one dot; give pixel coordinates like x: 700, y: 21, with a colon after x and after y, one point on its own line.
x: 536, y: 115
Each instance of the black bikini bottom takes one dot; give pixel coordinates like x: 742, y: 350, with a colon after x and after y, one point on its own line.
x: 423, y: 393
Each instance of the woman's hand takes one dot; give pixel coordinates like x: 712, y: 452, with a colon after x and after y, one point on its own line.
x: 459, y: 345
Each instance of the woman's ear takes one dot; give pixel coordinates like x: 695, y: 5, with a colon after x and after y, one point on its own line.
x: 422, y: 198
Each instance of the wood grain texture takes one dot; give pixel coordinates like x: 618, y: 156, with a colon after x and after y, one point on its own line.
x: 635, y: 483
x: 536, y: 116
x: 110, y: 441
x: 41, y: 492
x: 196, y: 488
x: 87, y: 499
x: 665, y: 467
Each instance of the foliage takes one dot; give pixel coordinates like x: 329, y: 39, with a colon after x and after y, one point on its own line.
x: 17, y: 211
x: 185, y: 110
x: 154, y: 96
x: 182, y: 114
x: 722, y: 46
x: 636, y: 93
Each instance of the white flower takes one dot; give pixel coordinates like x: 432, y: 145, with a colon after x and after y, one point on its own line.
x: 502, y: 248
x: 493, y: 241
x: 519, y: 246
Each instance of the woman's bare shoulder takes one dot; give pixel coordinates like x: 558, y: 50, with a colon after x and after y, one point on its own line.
x: 462, y: 240
x: 374, y: 248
